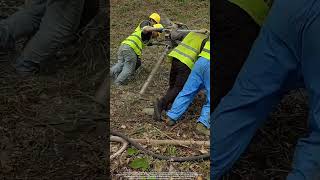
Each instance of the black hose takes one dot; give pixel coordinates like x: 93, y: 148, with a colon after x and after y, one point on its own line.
x: 159, y: 156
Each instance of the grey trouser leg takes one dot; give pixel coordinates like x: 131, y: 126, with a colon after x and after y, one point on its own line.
x: 125, y: 67
x: 58, y: 25
x: 117, y: 68
x: 21, y: 24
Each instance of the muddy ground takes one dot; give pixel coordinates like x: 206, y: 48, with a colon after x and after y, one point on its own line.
x: 126, y: 104
x: 50, y: 128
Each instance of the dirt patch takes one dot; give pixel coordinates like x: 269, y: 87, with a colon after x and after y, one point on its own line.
x: 127, y: 105
x: 50, y: 127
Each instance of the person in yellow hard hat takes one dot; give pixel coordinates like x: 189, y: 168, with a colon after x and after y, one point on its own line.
x: 154, y: 18
x: 129, y: 53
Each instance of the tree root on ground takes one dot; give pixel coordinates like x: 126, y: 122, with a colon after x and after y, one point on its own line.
x: 123, y: 148
x: 173, y: 142
x: 122, y: 138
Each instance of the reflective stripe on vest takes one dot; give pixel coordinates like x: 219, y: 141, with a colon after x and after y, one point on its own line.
x: 206, y: 51
x: 257, y: 9
x: 135, y: 42
x: 188, y: 50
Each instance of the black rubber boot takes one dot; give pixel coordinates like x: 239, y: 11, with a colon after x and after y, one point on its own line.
x: 157, y: 110
x: 170, y: 122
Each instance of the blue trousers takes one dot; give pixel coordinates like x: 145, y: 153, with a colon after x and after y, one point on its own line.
x: 198, y: 79
x: 285, y: 55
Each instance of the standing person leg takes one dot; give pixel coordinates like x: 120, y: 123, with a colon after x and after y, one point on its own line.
x: 306, y: 162
x: 160, y: 105
x: 181, y: 75
x: 205, y: 112
x: 57, y: 27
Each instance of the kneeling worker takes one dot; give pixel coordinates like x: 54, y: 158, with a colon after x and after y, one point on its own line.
x: 129, y: 53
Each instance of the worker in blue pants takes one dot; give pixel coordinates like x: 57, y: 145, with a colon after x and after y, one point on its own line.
x: 198, y: 79
x: 286, y: 51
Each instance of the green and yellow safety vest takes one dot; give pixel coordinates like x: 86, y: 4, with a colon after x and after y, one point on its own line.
x: 206, y: 51
x: 135, y: 42
x: 188, y: 50
x: 257, y: 9
x: 138, y: 28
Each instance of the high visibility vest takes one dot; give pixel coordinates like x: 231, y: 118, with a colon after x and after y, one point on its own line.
x: 188, y: 50
x: 257, y: 9
x: 206, y: 51
x: 138, y: 28
x: 135, y: 42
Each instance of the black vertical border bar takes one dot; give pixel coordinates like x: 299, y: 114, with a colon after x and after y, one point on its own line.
x: 212, y: 65
x: 108, y: 90
x: 211, y: 52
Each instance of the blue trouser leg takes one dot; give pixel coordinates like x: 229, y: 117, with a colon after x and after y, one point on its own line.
x: 205, y: 112
x: 187, y: 94
x: 273, y: 61
x: 192, y: 86
x: 306, y: 163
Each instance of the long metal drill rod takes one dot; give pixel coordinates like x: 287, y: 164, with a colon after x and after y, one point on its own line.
x: 154, y: 70
x: 183, y: 30
x: 196, y: 31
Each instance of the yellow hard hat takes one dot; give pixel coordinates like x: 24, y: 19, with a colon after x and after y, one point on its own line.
x: 158, y: 26
x: 155, y: 17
